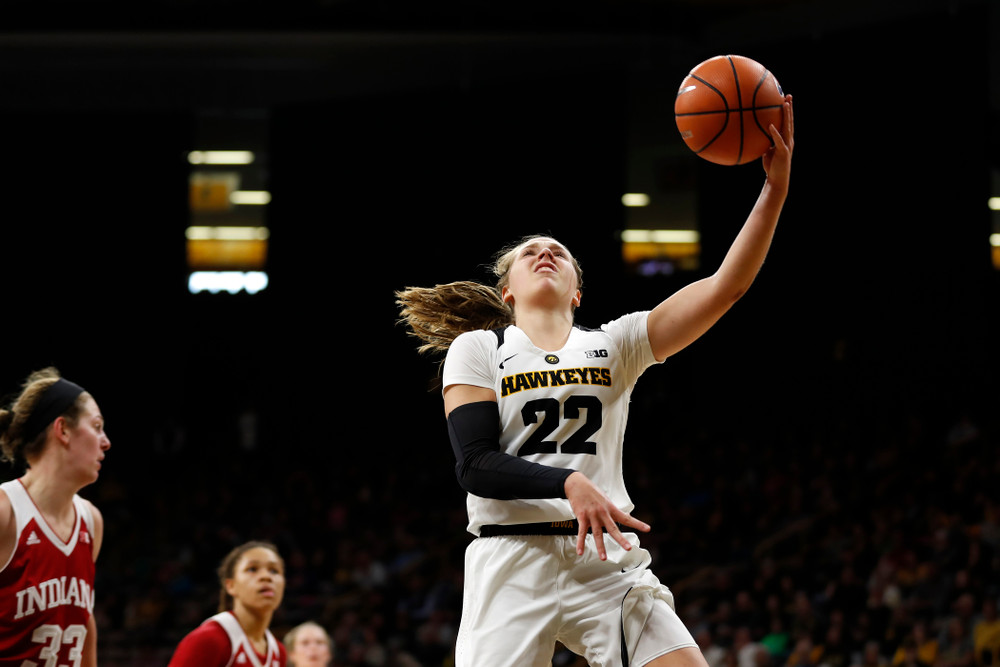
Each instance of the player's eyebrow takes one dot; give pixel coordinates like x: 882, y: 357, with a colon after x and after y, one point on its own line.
x: 550, y: 244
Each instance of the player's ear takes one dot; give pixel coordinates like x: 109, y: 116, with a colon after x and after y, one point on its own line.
x: 60, y: 429
x: 506, y: 296
x: 577, y: 297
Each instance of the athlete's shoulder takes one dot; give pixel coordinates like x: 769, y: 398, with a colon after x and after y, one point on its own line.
x: 488, y: 337
x: 6, y: 507
x: 478, y: 344
x: 14, y: 504
x: 627, y: 327
x: 13, y: 491
x: 210, y: 630
x: 8, y: 528
x: 628, y: 320
x: 207, y: 645
x: 88, y: 510
x: 94, y: 521
x: 282, y: 652
x: 472, y: 358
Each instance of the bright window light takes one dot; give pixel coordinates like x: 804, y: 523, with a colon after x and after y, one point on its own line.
x: 220, y: 157
x: 223, y: 233
x: 994, y: 203
x: 995, y: 240
x: 660, y: 236
x: 227, y: 281
x: 250, y: 197
x: 635, y: 199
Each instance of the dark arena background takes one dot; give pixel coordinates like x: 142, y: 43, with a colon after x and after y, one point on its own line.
x: 820, y: 469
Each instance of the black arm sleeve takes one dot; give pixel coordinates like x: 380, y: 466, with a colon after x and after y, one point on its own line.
x: 482, y: 469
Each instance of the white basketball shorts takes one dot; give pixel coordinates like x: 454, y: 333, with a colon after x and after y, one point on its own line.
x: 525, y: 593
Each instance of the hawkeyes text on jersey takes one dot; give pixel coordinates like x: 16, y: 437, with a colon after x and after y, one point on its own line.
x: 560, y: 377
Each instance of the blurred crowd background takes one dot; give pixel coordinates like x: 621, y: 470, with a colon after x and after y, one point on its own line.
x: 820, y: 469
x: 846, y: 537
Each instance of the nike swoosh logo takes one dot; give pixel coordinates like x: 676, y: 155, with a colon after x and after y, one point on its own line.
x: 506, y: 360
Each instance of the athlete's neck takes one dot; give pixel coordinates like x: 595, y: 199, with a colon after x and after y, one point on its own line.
x: 547, y: 329
x: 254, y: 624
x: 54, y: 499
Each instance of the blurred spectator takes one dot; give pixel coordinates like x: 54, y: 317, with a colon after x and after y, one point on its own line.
x: 804, y: 653
x: 909, y: 655
x: 308, y: 645
x: 986, y: 634
x: 745, y: 648
x: 777, y: 640
x: 870, y: 656
x: 834, y: 649
x: 714, y: 652
x: 955, y: 646
x: 920, y: 643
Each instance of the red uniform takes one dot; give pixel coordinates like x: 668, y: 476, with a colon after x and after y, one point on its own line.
x: 220, y: 642
x: 46, y: 588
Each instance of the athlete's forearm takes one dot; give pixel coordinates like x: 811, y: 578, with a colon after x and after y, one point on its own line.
x: 745, y: 257
x: 483, y: 470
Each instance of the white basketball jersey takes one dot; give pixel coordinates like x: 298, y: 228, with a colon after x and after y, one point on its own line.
x: 564, y: 408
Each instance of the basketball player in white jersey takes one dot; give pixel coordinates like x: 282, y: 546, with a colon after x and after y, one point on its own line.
x: 536, y: 409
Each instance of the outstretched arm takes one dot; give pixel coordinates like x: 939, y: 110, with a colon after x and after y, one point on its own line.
x: 684, y: 316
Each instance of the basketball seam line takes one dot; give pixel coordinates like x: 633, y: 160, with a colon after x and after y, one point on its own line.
x: 739, y: 96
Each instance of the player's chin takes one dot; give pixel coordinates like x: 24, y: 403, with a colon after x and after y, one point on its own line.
x: 88, y: 477
x: 269, y: 599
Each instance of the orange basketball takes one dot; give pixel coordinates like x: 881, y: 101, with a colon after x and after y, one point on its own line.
x: 724, y: 107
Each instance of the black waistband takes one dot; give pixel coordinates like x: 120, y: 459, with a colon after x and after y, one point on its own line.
x: 543, y: 528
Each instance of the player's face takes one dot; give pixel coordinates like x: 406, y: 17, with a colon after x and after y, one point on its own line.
x: 542, y: 269
x: 89, y: 441
x: 258, y: 580
x: 311, y: 648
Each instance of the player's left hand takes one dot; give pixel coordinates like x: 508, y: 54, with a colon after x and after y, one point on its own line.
x: 595, y: 512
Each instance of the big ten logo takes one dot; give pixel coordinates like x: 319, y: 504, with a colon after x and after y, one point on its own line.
x: 594, y: 354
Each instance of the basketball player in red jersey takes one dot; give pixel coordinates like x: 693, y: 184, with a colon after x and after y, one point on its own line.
x: 50, y: 536
x: 253, y: 583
